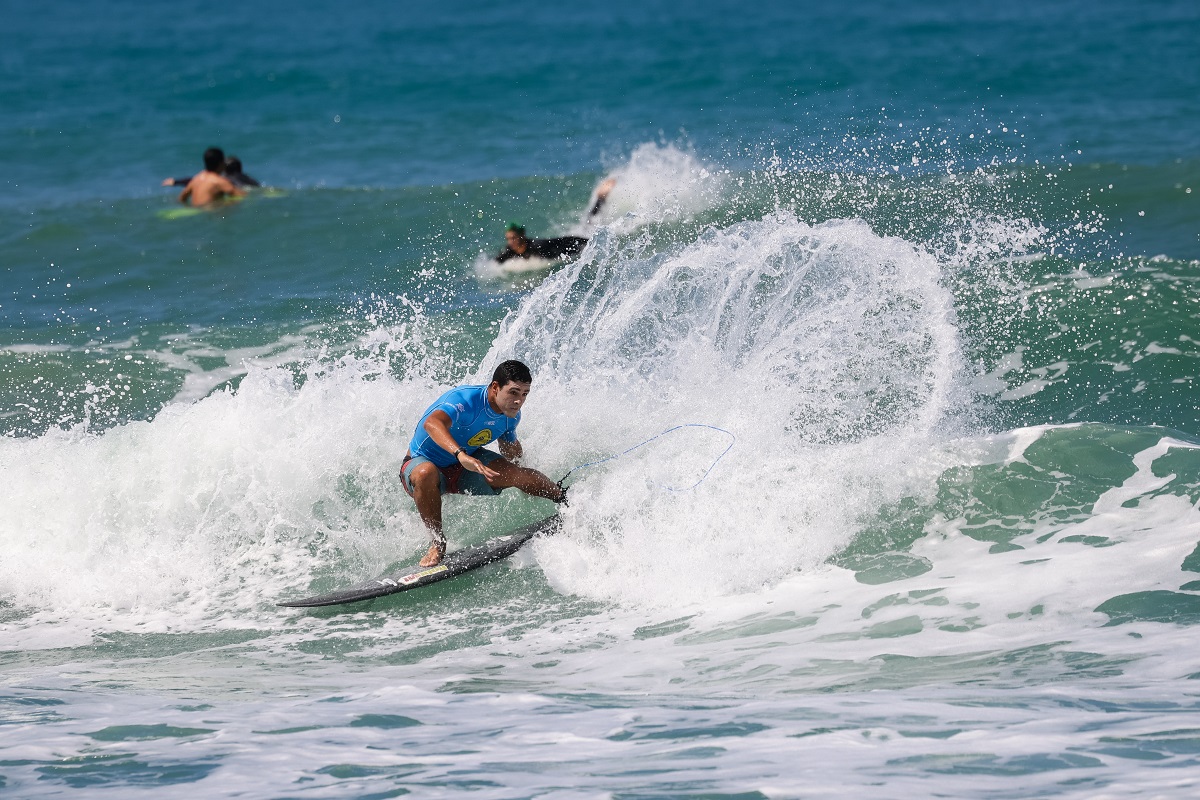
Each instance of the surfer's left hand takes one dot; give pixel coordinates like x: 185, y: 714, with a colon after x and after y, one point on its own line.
x: 475, y: 465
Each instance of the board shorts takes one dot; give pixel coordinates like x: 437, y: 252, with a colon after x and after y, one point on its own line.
x: 453, y: 479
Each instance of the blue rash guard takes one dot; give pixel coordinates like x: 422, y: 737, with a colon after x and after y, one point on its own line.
x: 473, y: 424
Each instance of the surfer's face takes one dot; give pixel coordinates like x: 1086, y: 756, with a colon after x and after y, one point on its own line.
x: 509, y: 398
x: 516, y: 241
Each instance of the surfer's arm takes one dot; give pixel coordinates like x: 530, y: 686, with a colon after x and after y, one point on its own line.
x: 437, y: 425
x: 186, y: 193
x: 602, y: 192
x: 506, y: 254
x: 511, y: 450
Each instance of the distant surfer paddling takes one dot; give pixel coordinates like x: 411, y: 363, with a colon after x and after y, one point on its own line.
x: 552, y: 249
x: 210, y: 186
x: 232, y: 170
x: 446, y: 455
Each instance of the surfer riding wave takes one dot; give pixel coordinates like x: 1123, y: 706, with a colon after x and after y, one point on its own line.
x: 446, y: 454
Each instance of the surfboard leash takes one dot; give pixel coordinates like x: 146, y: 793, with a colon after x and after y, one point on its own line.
x: 613, y: 457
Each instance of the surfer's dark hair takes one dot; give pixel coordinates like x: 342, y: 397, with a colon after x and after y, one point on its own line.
x: 511, y: 371
x: 214, y: 159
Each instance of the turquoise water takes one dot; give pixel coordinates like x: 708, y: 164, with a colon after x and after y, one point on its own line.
x: 935, y: 269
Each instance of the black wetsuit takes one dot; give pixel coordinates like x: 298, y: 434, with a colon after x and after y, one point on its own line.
x: 549, y: 249
x: 242, y: 180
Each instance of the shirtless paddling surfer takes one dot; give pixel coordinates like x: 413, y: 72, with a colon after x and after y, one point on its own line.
x: 210, y: 186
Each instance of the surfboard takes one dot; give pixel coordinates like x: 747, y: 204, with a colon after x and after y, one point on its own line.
x: 179, y: 213
x: 518, y: 266
x: 456, y: 563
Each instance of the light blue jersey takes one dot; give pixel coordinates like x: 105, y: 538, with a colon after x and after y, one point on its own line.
x: 473, y: 424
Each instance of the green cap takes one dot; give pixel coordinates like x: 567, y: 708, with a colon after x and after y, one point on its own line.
x: 515, y: 226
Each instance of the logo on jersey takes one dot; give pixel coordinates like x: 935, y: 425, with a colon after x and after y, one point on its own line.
x: 481, y: 438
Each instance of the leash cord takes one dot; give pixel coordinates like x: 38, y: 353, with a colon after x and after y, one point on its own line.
x: 732, y: 441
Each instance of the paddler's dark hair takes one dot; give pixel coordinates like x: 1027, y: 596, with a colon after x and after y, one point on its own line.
x: 214, y: 159
x: 511, y: 371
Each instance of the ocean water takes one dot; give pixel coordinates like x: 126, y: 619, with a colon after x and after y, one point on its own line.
x: 936, y: 270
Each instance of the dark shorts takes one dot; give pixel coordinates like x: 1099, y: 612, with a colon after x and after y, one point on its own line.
x: 464, y: 482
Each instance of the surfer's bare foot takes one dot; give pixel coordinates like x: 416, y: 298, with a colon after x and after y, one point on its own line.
x: 604, y: 188
x: 434, y: 556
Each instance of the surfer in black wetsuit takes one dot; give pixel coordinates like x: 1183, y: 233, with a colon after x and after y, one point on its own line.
x: 521, y: 246
x: 233, y: 171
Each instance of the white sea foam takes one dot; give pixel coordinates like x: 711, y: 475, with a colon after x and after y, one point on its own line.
x: 221, y: 502
x: 34, y: 348
x: 829, y: 351
x: 198, y: 382
x: 657, y: 183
